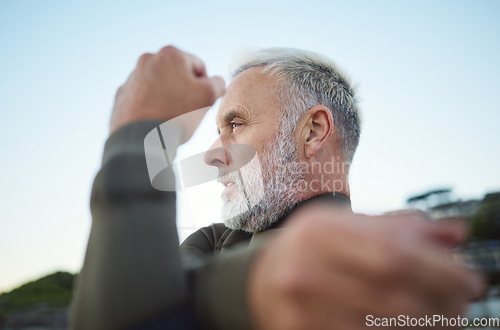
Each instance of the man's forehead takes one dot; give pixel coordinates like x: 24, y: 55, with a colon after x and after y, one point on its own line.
x: 252, y: 91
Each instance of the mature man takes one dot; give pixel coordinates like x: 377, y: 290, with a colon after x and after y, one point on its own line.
x: 324, y: 268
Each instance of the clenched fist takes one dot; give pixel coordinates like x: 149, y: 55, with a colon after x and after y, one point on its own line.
x: 163, y: 86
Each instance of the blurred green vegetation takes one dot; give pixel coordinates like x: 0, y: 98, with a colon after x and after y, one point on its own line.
x: 485, y: 223
x: 53, y: 290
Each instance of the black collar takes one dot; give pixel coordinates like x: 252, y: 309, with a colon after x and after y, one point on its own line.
x: 333, y: 198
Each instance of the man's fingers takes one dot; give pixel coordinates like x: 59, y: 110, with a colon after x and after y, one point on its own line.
x: 461, y: 284
x: 211, y: 88
x: 196, y: 66
x: 144, y: 59
x: 447, y: 233
x: 191, y: 62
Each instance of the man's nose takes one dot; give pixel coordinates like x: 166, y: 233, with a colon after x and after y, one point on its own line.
x: 216, y: 155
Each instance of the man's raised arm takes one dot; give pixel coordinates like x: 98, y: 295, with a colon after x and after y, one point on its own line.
x: 132, y: 271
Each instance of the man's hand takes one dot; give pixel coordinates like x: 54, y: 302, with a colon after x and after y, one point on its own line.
x: 163, y: 86
x: 330, y: 270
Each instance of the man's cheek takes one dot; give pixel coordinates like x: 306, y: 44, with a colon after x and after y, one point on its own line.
x: 253, y: 184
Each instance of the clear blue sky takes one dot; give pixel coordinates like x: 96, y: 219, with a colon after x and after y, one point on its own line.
x: 427, y: 72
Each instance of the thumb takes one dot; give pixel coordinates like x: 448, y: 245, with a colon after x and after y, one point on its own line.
x: 209, y: 90
x: 218, y: 85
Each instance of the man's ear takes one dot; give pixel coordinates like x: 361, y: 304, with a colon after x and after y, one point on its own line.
x: 317, y: 130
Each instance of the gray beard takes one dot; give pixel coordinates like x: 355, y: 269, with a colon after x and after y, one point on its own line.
x: 266, y: 187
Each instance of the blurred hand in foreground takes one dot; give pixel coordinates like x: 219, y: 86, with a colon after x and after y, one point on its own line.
x: 329, y: 270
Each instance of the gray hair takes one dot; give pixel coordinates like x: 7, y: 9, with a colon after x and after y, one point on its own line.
x: 307, y: 79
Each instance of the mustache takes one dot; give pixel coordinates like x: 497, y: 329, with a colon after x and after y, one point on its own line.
x: 225, y: 175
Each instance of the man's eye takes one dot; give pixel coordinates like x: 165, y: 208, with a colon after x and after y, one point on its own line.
x: 234, y: 125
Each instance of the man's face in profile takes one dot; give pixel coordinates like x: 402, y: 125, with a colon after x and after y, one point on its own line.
x: 250, y: 114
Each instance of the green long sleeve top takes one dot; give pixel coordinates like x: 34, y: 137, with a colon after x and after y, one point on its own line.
x: 134, y: 269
